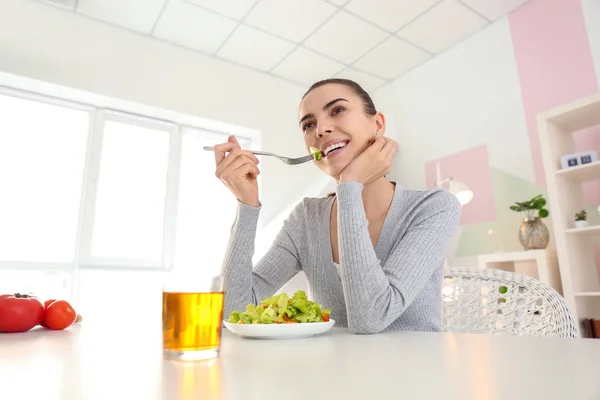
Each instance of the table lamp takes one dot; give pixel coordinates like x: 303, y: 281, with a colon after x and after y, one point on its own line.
x: 457, y: 188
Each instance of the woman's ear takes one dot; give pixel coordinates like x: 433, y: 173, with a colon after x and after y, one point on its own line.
x: 380, y: 124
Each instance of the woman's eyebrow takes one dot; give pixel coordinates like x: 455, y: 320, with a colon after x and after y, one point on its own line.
x: 325, y: 107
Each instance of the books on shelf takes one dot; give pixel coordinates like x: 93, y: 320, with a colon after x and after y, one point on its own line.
x: 591, y: 328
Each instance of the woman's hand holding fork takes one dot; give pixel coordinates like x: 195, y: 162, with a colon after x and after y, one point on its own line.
x: 238, y: 171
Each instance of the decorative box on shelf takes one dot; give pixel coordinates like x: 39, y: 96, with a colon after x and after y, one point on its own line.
x: 539, y: 264
x: 573, y: 160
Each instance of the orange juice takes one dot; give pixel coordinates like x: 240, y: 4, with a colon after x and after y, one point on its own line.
x: 192, y: 321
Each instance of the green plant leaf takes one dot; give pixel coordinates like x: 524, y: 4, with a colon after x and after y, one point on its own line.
x: 539, y: 203
x: 503, y: 289
x: 543, y: 213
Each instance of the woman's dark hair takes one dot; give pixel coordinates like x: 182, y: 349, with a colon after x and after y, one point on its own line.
x: 356, y: 88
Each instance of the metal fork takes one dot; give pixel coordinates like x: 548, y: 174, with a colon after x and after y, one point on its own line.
x: 287, y: 160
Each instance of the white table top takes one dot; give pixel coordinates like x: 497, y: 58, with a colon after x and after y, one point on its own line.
x: 112, y: 362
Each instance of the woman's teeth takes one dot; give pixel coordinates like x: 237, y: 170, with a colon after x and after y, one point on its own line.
x: 334, y: 147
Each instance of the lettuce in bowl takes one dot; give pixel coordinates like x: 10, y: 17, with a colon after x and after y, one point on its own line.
x: 281, y: 309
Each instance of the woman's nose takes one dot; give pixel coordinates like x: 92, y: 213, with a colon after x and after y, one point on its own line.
x: 322, y: 132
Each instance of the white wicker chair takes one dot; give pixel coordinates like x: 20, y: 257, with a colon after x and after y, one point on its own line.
x: 498, y: 302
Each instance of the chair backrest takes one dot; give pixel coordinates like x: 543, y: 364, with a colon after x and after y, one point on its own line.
x: 499, y: 302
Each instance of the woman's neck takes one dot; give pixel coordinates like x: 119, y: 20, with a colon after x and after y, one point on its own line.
x: 377, y: 197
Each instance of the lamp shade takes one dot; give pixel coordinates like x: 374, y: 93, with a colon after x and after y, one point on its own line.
x: 461, y: 191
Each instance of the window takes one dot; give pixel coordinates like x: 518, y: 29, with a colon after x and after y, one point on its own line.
x: 131, y: 189
x: 42, y: 157
x: 87, y: 191
x: 206, y: 207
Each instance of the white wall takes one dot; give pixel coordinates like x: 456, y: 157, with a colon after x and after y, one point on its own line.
x: 591, y: 13
x: 467, y: 96
x: 48, y: 44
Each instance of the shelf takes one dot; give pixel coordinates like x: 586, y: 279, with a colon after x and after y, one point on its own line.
x: 592, y: 230
x: 525, y: 255
x: 581, y: 173
x: 574, y: 116
x: 576, y: 255
x: 588, y: 294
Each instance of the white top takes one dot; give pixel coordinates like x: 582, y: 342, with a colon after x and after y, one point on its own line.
x: 123, y: 361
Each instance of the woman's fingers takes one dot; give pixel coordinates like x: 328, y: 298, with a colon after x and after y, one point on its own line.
x: 245, y: 169
x: 234, y: 160
x: 222, y: 149
x: 233, y: 155
x: 389, y: 147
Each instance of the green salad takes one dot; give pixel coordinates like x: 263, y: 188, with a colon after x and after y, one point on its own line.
x: 317, y: 155
x: 281, y: 309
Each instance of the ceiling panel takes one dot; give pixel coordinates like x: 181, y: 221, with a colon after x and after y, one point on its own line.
x: 293, y: 20
x: 191, y: 26
x: 389, y: 14
x: 338, y: 2
x: 254, y: 48
x: 67, y: 4
x: 368, y: 82
x: 494, y: 9
x: 307, y: 67
x: 137, y: 15
x: 371, y: 41
x: 235, y: 9
x: 345, y: 38
x: 391, y: 58
x: 443, y: 26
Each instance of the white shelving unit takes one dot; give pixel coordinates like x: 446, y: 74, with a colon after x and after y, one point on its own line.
x: 539, y: 264
x: 580, y: 280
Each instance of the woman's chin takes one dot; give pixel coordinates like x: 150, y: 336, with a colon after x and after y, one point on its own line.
x: 334, y: 165
x: 335, y: 170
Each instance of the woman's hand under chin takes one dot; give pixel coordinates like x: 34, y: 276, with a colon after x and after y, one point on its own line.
x: 372, y: 164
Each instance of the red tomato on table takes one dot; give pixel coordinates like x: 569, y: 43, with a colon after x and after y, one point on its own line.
x: 46, y: 304
x: 59, y: 315
x: 20, y: 312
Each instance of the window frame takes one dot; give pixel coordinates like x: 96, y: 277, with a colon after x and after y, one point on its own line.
x: 85, y: 259
x: 55, y: 101
x: 100, y: 111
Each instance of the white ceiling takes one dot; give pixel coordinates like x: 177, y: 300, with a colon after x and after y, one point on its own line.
x: 371, y: 41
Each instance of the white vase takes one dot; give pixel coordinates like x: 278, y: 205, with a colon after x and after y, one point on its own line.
x: 581, y: 224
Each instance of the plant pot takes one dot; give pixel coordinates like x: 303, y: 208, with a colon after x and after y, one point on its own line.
x: 581, y: 224
x: 533, y: 234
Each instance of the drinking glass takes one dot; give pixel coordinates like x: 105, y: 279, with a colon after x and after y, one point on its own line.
x: 192, y: 315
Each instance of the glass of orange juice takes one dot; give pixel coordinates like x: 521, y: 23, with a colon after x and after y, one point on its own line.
x: 192, y: 315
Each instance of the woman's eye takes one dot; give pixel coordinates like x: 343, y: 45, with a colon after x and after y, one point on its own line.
x: 307, y: 126
x: 337, y: 110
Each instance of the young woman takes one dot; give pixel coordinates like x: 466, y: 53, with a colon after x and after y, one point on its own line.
x: 373, y: 251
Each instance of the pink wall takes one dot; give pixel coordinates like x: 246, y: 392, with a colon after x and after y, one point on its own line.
x: 555, y: 66
x: 554, y: 61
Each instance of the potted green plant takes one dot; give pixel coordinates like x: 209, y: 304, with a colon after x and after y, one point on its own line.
x: 533, y: 233
x: 581, y: 219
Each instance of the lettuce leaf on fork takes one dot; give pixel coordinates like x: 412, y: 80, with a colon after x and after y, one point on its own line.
x: 281, y: 309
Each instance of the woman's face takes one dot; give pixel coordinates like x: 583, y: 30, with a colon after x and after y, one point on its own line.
x: 333, y: 120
